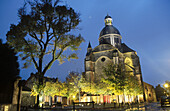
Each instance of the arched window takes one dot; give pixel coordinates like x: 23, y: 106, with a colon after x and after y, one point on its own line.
x: 129, y: 66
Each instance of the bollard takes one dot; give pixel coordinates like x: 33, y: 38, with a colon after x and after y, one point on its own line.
x: 73, y: 106
x: 114, y: 104
x: 92, y: 104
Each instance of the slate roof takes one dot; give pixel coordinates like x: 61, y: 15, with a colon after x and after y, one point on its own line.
x: 109, y: 29
x: 125, y: 48
x: 103, y: 47
x: 89, y: 46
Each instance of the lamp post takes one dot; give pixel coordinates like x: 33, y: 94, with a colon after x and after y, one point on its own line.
x: 166, y: 86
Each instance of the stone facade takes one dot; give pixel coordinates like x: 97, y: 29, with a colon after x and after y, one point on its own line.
x: 150, y: 94
x: 111, y: 49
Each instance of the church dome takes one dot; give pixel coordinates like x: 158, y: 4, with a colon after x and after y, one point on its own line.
x: 109, y: 28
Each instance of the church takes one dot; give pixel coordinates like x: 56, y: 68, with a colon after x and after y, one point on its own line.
x: 111, y: 49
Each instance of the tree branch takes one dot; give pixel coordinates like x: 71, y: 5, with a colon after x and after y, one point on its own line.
x: 35, y: 37
x: 52, y: 60
x: 32, y: 57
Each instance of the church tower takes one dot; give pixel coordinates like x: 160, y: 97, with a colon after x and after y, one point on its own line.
x: 110, y: 34
x: 110, y: 49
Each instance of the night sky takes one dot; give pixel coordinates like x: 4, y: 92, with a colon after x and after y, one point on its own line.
x: 144, y: 26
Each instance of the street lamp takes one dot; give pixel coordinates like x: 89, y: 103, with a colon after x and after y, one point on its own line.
x: 166, y: 85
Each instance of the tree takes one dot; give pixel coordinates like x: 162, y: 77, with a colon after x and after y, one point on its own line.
x: 114, y: 76
x: 73, y: 85
x: 88, y: 87
x: 37, y: 88
x: 119, y: 81
x: 45, y: 32
x: 133, y: 87
x: 57, y: 88
x: 49, y: 88
x: 160, y: 91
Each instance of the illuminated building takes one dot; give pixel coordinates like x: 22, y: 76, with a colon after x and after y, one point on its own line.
x: 111, y: 49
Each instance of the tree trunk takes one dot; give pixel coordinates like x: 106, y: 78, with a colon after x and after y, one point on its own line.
x: 40, y: 82
x: 97, y: 99
x: 79, y: 95
x: 37, y: 104
x: 67, y: 100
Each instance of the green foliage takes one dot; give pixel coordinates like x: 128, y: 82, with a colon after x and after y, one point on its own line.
x: 87, y: 86
x: 37, y: 88
x: 55, y: 88
x: 73, y: 84
x: 119, y: 81
x: 45, y: 30
x: 133, y: 87
x: 50, y: 88
x: 114, y: 77
x: 92, y: 87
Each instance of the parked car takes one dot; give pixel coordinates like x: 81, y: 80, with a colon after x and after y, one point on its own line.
x: 165, y: 101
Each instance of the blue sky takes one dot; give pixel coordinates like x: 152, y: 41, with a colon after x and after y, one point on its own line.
x: 143, y: 24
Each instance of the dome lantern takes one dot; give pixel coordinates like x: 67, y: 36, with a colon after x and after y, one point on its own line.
x: 108, y: 20
x: 110, y: 34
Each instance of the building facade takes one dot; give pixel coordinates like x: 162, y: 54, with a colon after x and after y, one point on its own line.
x: 30, y: 101
x: 150, y: 93
x: 111, y: 49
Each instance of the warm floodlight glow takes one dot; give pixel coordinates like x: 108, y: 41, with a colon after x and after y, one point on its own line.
x: 73, y: 96
x: 166, y: 85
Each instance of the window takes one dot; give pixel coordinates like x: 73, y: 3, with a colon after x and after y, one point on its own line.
x: 116, y: 40
x: 103, y: 59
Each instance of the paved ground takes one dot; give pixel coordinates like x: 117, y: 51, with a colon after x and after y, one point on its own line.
x: 150, y: 107
x: 142, y: 107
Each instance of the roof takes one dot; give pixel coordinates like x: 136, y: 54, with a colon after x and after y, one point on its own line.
x: 25, y: 88
x: 109, y: 29
x: 103, y: 47
x: 125, y: 48
x: 107, y: 16
x: 45, y: 78
x: 89, y: 46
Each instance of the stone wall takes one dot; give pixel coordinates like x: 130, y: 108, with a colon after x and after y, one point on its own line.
x: 27, y: 100
x: 150, y: 94
x: 12, y: 101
